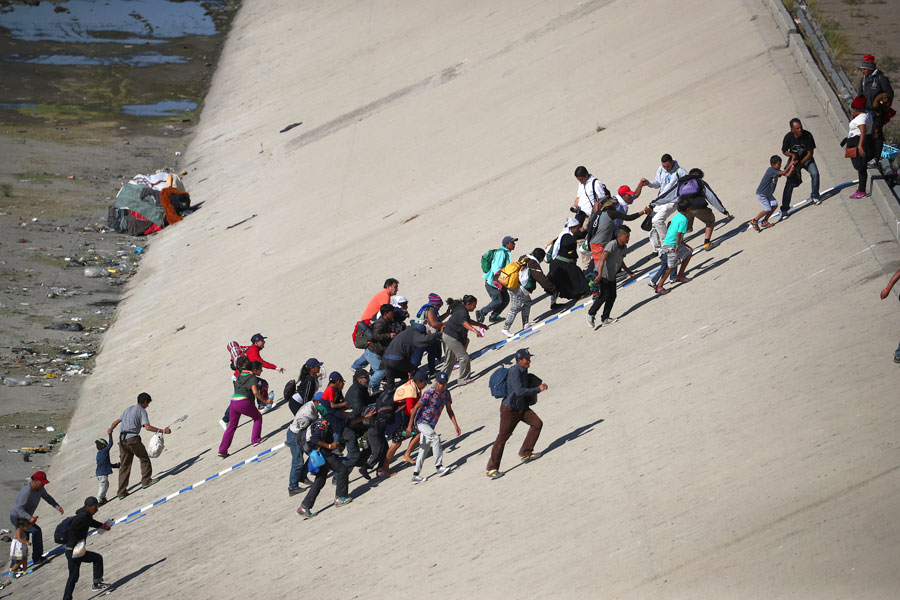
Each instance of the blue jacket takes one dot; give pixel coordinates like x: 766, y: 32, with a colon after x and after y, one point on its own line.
x: 501, y: 259
x: 516, y: 392
x: 104, y: 464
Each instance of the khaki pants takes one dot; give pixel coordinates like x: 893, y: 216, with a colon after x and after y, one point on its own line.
x: 128, y: 449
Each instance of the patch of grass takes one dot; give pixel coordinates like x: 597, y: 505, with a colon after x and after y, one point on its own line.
x: 52, y: 261
x: 6, y: 188
x: 892, y: 133
x: 788, y: 4
x: 852, y: 2
x: 41, y: 178
x: 889, y: 64
x: 64, y: 112
x: 858, y: 13
x: 837, y: 39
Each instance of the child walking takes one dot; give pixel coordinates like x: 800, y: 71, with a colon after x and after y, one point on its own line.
x: 104, y: 467
x: 18, y: 552
x: 425, y: 415
x: 765, y: 193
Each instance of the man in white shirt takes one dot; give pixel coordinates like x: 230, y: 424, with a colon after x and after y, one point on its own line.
x: 590, y: 190
x: 666, y: 176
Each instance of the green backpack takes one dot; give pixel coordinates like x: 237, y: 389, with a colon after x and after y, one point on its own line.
x: 487, y: 259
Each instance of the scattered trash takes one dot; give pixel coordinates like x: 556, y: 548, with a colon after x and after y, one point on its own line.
x: 66, y: 326
x: 94, y: 272
x: 51, y: 428
x: 139, y: 250
x: 23, y: 241
x: 13, y: 381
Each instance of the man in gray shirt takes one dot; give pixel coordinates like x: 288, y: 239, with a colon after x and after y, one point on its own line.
x: 611, y: 260
x: 130, y: 445
x: 26, y: 503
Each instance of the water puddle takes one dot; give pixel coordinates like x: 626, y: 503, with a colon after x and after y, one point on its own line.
x: 111, y: 21
x: 136, y: 60
x: 165, y: 108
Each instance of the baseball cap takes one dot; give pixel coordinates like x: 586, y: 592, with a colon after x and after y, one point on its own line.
x: 313, y: 362
x: 398, y: 300
x: 421, y: 374
x: 40, y: 476
x: 523, y: 353
x: 91, y: 501
x: 572, y: 222
x: 335, y: 376
x: 256, y: 337
x: 360, y: 373
x: 441, y: 377
x: 624, y: 189
x: 508, y: 239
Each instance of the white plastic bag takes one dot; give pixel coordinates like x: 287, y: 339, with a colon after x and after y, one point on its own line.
x: 157, y: 444
x: 78, y: 550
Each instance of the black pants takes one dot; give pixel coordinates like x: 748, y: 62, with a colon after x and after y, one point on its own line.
x: 397, y: 369
x: 341, y: 477
x: 377, y: 444
x: 607, y: 294
x: 75, y: 567
x: 355, y: 455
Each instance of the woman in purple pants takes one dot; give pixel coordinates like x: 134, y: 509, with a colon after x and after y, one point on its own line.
x: 246, y: 389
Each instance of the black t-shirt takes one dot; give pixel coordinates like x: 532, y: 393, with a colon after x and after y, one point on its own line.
x: 800, y: 146
x: 454, y: 324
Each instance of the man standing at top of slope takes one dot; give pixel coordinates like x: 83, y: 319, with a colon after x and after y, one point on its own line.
x: 590, y: 190
x: 666, y: 176
x: 798, y: 145
x: 372, y: 311
x: 257, y: 343
x: 873, y: 84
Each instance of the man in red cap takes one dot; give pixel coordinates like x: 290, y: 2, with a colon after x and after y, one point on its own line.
x: 257, y: 343
x: 624, y: 199
x: 873, y: 84
x: 26, y: 503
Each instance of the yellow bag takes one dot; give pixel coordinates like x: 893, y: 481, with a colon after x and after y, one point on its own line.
x: 508, y: 276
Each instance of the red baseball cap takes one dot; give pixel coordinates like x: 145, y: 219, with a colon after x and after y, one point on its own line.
x: 40, y: 476
x: 625, y: 190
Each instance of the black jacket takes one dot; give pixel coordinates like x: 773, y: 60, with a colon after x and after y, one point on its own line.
x: 408, y: 340
x: 875, y: 84
x: 78, y: 528
x: 381, y: 336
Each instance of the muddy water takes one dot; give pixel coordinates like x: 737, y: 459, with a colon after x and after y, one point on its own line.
x: 93, y: 59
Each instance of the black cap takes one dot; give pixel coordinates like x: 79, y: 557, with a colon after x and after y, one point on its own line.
x: 256, y: 337
x: 360, y: 373
x: 335, y: 376
x: 523, y: 353
x: 91, y: 501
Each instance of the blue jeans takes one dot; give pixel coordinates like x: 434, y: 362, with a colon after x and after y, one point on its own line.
x: 813, y: 171
x: 434, y: 353
x: 298, y: 465
x: 897, y: 353
x: 379, y: 371
x: 360, y: 363
x: 499, y: 300
x: 37, y: 540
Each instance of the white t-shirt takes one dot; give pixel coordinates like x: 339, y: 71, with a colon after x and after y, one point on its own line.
x: 589, y: 192
x: 862, y: 118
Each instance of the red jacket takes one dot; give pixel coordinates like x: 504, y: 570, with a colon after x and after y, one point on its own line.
x: 253, y: 354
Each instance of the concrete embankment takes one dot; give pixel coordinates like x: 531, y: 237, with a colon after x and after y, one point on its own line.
x: 735, y: 438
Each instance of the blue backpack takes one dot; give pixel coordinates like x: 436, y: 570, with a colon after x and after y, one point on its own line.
x: 497, y: 382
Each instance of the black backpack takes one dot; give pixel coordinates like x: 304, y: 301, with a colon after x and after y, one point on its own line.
x: 59, y: 534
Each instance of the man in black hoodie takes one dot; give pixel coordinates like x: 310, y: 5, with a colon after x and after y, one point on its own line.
x: 78, y: 532
x: 398, y: 354
x: 381, y: 337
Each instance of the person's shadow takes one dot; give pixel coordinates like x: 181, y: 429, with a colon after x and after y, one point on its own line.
x: 182, y: 466
x: 563, y: 440
x: 123, y: 580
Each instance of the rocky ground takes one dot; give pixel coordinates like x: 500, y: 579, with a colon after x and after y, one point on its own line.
x: 66, y: 148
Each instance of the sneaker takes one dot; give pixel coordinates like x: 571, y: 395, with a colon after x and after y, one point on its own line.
x: 816, y: 200
x: 224, y: 455
x: 365, y: 474
x: 294, y: 491
x: 707, y: 245
x: 416, y: 478
x: 609, y: 321
x: 343, y: 501
x: 123, y: 496
x: 507, y: 332
x: 223, y: 424
x: 99, y: 586
x: 102, y: 501
x: 461, y: 382
x: 479, y: 317
x: 897, y: 358
x: 497, y: 318
x: 754, y: 224
x: 305, y: 513
x: 152, y: 482
x: 494, y: 474
x: 441, y: 471
x: 531, y: 457
x: 765, y: 225
x: 785, y: 213
x: 858, y: 194
x: 589, y: 319
x: 527, y: 325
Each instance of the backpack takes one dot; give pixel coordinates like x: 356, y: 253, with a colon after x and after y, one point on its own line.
x: 290, y: 388
x: 362, y: 333
x: 497, y: 382
x: 236, y: 351
x: 508, y: 276
x: 690, y: 188
x: 487, y: 259
x: 307, y: 415
x: 59, y: 534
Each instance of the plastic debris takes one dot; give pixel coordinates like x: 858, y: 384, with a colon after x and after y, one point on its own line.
x: 94, y: 272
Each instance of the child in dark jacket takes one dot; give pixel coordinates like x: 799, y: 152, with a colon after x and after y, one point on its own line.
x: 104, y: 467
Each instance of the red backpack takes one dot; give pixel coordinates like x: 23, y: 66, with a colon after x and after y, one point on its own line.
x: 362, y: 333
x: 236, y: 351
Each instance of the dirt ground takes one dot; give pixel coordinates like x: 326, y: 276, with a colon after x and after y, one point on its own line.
x: 66, y: 149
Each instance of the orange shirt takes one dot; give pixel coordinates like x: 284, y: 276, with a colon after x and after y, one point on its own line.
x: 374, y: 305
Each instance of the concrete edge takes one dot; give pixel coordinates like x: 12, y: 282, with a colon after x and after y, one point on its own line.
x: 782, y: 18
x: 882, y: 196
